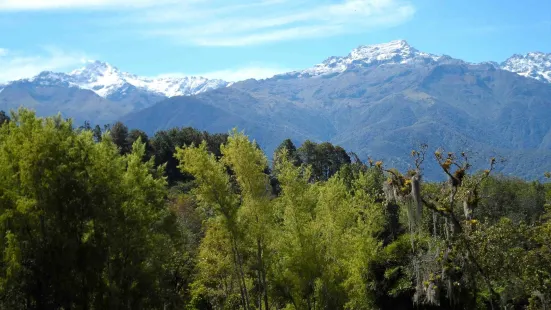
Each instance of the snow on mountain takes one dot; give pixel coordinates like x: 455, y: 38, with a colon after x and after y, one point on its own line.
x: 535, y: 65
x: 106, y: 80
x: 109, y: 82
x: 394, y: 52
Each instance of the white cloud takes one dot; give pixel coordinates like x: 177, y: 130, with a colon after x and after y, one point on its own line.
x: 252, y: 71
x: 21, y: 5
x: 236, y: 22
x: 264, y: 22
x: 17, y: 66
x: 272, y: 36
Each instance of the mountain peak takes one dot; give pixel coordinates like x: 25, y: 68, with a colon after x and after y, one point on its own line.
x: 101, y: 77
x: 393, y: 52
x: 388, y: 46
x: 384, y: 51
x: 536, y: 65
x: 93, y: 68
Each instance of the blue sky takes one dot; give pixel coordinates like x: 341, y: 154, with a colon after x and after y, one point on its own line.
x: 237, y: 39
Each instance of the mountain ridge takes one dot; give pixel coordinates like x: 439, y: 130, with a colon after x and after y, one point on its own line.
x: 106, y: 79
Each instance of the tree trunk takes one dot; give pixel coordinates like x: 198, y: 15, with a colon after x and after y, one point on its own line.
x: 241, y: 276
x: 416, y: 194
x: 262, y: 273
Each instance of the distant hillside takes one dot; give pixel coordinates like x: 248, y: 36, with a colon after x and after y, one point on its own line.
x: 383, y: 107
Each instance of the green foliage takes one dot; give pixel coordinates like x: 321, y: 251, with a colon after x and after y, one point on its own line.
x: 164, y: 144
x: 4, y: 118
x: 119, y: 135
x: 292, y: 153
x: 80, y: 225
x: 325, y: 158
x: 88, y: 221
x: 512, y: 198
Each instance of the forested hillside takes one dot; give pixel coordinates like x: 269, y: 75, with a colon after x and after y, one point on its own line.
x: 109, y: 218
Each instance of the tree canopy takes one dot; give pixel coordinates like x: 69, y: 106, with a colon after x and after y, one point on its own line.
x: 114, y: 219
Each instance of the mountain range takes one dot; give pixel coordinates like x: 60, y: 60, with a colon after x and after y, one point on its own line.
x: 98, y: 92
x: 380, y: 100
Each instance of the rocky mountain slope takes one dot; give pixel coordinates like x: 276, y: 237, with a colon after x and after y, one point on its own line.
x: 536, y: 65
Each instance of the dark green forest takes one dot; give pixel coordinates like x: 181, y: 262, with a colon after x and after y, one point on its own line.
x: 109, y: 218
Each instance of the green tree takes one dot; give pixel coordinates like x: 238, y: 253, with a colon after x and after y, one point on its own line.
x: 292, y: 153
x: 164, y: 144
x: 3, y: 118
x: 119, y: 135
x: 242, y: 203
x: 135, y: 135
x: 324, y: 158
x: 214, y: 192
x: 80, y: 225
x: 97, y: 133
x: 249, y: 164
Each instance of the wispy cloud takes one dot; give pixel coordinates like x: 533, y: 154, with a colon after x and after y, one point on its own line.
x: 252, y: 71
x: 271, y: 21
x: 238, y: 23
x: 16, y: 65
x: 26, y: 5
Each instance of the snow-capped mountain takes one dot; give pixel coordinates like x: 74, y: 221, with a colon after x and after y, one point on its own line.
x: 111, y: 93
x: 535, y: 65
x: 394, y: 52
x: 107, y: 80
x: 97, y: 92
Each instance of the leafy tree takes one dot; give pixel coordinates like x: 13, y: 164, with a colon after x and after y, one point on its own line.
x: 512, y: 198
x: 292, y: 153
x: 249, y: 164
x: 135, y: 135
x: 80, y: 225
x: 119, y: 135
x: 164, y: 144
x: 325, y: 159
x: 214, y: 191
x: 97, y: 134
x: 307, y: 152
x: 86, y: 126
x: 245, y: 212
x: 4, y: 118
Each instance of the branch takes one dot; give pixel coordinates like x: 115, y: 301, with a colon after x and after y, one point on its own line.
x: 392, y: 172
x: 432, y: 206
